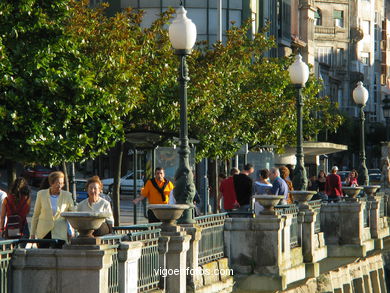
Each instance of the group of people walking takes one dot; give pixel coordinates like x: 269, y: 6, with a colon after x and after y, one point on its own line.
x: 47, y: 222
x: 238, y: 189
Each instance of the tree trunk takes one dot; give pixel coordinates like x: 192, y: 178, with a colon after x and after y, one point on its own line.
x: 66, y: 179
x: 11, y: 172
x: 116, y: 184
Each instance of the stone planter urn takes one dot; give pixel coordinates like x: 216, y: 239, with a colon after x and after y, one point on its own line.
x: 268, y: 202
x: 302, y: 197
x: 168, y: 213
x: 85, y: 222
x: 370, y: 190
x: 352, y: 192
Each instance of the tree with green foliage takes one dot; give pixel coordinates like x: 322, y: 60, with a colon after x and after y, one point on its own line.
x: 236, y: 94
x: 51, y: 109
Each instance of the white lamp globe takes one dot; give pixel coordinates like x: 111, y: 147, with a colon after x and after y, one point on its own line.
x: 360, y: 94
x: 182, y: 31
x: 298, y: 71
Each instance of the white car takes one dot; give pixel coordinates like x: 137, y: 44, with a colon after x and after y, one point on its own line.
x: 127, y: 183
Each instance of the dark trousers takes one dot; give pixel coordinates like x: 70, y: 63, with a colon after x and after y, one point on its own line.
x: 50, y: 245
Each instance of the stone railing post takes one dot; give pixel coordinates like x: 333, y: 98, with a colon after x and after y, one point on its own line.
x: 193, y: 255
x: 272, y: 250
x: 73, y: 269
x: 313, y: 244
x: 374, y: 216
x: 162, y: 251
x: 177, y: 243
x: 128, y: 255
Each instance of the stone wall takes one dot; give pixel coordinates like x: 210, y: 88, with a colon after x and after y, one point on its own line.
x: 361, y: 275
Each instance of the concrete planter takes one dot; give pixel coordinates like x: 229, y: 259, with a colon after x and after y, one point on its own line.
x: 85, y: 222
x: 302, y: 197
x: 168, y: 213
x: 268, y: 202
x: 352, y: 192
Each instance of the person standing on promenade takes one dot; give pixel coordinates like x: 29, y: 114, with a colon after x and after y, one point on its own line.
x: 157, y: 191
x: 333, y: 185
x: 47, y: 222
x: 228, y: 193
x: 243, y: 186
x: 279, y: 186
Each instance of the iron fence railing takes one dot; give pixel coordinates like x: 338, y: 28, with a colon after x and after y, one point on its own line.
x: 316, y: 206
x: 7, y: 247
x: 148, y: 264
x: 113, y: 242
x: 293, y: 210
x: 211, y: 244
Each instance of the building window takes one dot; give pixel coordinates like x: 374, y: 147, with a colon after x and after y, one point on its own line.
x: 324, y: 55
x: 318, y: 17
x: 366, y: 27
x: 365, y: 58
x: 340, y: 56
x: 338, y: 16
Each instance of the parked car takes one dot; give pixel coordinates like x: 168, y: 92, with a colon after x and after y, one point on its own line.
x: 81, y: 191
x: 35, y: 174
x: 375, y: 178
x: 127, y: 183
x: 374, y: 171
x: 343, y: 175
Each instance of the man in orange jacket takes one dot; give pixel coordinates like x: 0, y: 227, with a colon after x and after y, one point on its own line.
x: 157, y: 191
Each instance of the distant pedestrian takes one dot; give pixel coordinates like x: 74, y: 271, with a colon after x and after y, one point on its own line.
x: 95, y: 203
x: 320, y: 187
x: 279, y: 186
x: 284, y: 174
x: 333, y: 185
x: 228, y: 193
x: 14, y: 211
x: 243, y: 186
x: 47, y: 222
x: 385, y: 178
x: 157, y: 191
x: 352, y: 178
x: 262, y: 185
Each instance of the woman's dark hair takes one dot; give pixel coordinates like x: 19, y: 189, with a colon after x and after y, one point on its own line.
x: 354, y: 171
x: 20, y: 188
x: 264, y: 173
x: 319, y: 173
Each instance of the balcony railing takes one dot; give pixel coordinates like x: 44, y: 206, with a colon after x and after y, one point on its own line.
x: 211, y: 244
x: 294, y: 228
x: 324, y: 30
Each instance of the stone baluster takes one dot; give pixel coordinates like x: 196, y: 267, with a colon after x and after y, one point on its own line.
x: 128, y: 256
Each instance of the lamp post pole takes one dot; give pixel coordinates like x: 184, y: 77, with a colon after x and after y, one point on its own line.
x: 299, y: 74
x: 300, y: 179
x: 182, y: 34
x: 184, y: 180
x: 360, y: 96
x: 363, y: 172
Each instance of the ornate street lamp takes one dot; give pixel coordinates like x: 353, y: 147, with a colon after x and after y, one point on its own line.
x: 386, y: 114
x: 182, y: 34
x: 299, y: 74
x: 360, y: 97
